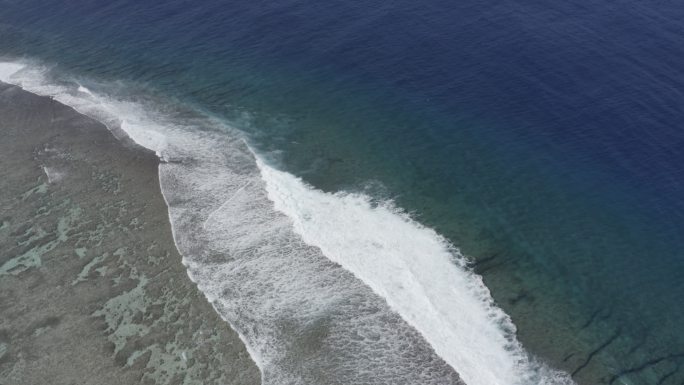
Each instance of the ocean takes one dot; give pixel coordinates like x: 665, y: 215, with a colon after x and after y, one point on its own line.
x: 507, y: 179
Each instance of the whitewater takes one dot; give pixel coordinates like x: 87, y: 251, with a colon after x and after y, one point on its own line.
x: 321, y: 287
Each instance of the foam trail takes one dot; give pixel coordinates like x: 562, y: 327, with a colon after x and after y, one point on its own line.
x: 266, y: 250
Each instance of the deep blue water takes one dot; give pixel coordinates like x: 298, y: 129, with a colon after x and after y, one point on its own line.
x: 544, y: 139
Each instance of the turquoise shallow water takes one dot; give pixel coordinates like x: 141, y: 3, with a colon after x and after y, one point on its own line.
x: 543, y: 140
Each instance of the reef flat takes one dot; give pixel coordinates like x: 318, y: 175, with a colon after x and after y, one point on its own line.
x: 92, y: 288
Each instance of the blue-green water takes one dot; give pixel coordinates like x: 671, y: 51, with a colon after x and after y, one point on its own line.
x: 544, y: 140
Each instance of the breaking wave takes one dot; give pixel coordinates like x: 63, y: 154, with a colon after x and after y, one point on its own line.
x: 322, y: 288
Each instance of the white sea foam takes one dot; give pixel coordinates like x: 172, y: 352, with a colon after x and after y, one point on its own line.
x: 259, y: 243
x: 9, y: 69
x: 417, y: 271
x: 84, y: 90
x: 120, y: 116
